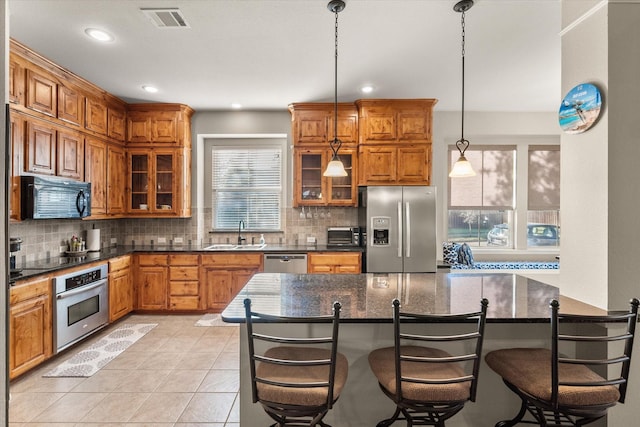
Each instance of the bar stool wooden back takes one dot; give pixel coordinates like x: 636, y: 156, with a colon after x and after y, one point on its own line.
x: 296, y: 379
x: 564, y: 390
x: 429, y: 385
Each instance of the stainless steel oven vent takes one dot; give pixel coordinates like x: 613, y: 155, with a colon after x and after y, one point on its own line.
x: 166, y: 17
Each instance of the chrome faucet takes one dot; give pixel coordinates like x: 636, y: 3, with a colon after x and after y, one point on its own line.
x: 240, y: 227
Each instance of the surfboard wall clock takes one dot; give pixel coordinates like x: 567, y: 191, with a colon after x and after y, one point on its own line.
x: 580, y: 108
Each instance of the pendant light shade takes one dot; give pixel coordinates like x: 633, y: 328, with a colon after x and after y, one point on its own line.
x: 462, y: 168
x: 335, y: 168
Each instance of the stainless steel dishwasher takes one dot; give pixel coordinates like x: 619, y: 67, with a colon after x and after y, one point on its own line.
x: 285, y: 263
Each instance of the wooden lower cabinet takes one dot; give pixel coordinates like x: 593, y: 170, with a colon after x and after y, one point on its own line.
x: 334, y: 262
x: 184, y: 283
x: 120, y: 287
x: 30, y: 324
x: 224, y: 275
x: 151, y: 282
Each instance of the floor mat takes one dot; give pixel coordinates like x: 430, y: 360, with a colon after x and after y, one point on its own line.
x: 90, y: 360
x: 213, y: 319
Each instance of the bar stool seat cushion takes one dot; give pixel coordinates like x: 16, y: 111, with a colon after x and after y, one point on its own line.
x: 382, y: 362
x: 307, y: 396
x: 529, y: 369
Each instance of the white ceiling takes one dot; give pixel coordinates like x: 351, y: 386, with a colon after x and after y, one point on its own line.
x: 265, y: 54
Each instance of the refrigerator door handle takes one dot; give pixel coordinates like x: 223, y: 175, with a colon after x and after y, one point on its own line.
x: 400, y: 231
x: 407, y: 214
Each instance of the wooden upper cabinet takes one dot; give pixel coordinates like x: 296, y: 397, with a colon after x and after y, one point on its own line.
x: 389, y: 164
x: 95, y: 172
x: 395, y: 141
x: 313, y: 123
x: 165, y: 127
x: 70, y: 105
x: 16, y: 135
x: 40, y: 148
x: 393, y: 120
x: 16, y: 82
x: 116, y: 180
x: 159, y: 124
x: 96, y: 115
x: 138, y: 127
x: 116, y: 121
x: 42, y: 93
x: 70, y: 153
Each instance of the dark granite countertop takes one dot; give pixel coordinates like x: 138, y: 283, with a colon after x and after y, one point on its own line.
x: 53, y: 264
x: 366, y: 298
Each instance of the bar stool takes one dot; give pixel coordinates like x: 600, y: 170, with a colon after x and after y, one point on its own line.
x: 298, y: 380
x: 559, y: 390
x: 429, y: 385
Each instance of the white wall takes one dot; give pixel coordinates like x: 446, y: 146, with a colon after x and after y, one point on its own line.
x: 585, y: 165
x: 599, y: 168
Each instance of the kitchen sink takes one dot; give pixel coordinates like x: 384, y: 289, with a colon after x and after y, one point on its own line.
x: 230, y: 247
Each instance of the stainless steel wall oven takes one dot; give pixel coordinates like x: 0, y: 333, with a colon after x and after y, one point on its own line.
x: 81, y: 306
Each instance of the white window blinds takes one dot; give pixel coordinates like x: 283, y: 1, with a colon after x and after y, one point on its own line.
x: 492, y: 187
x: 247, y: 186
x: 544, y: 177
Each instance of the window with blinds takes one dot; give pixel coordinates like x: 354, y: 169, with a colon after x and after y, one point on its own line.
x: 487, y: 211
x: 494, y: 183
x: 246, y: 186
x: 543, y: 196
x: 486, y: 201
x: 544, y: 177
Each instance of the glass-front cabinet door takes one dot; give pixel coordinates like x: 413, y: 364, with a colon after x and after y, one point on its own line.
x: 314, y: 189
x: 152, y: 181
x: 164, y: 187
x: 342, y: 191
x: 309, y: 181
x: 140, y: 169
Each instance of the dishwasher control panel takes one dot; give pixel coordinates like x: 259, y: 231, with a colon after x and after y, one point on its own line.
x: 285, y: 263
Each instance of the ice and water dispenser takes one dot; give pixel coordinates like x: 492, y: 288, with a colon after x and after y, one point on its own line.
x: 380, y: 226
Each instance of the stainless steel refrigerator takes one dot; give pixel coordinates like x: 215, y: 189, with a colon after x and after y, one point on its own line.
x: 400, y: 227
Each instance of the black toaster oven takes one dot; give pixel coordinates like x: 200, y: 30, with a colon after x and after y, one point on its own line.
x: 343, y: 236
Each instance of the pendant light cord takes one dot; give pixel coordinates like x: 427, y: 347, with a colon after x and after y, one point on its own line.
x: 336, y: 143
x: 462, y: 144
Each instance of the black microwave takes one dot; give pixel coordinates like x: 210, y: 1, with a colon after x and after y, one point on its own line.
x: 50, y: 197
x: 343, y: 236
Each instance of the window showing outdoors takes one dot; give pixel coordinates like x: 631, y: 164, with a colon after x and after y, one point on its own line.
x: 543, y: 211
x: 486, y: 211
x: 481, y: 207
x: 247, y: 186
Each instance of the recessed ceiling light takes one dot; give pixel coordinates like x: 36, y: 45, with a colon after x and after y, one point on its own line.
x: 150, y: 89
x: 236, y: 106
x: 366, y: 89
x: 99, y: 35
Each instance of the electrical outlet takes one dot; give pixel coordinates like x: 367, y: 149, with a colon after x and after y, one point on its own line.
x: 311, y: 239
x: 178, y: 240
x: 162, y: 240
x: 62, y: 249
x: 114, y: 241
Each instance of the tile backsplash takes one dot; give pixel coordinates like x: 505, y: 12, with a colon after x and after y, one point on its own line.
x: 44, y: 238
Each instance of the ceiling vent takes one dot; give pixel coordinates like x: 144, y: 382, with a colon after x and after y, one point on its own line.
x: 166, y: 17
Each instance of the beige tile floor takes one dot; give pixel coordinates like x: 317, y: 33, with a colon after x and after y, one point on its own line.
x: 176, y: 375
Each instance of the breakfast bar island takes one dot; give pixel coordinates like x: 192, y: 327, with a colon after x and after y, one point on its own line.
x: 518, y: 316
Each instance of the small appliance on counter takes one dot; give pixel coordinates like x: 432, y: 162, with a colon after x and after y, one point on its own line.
x: 15, y: 244
x: 343, y: 236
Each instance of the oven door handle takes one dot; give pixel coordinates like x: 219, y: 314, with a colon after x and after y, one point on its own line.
x: 80, y: 290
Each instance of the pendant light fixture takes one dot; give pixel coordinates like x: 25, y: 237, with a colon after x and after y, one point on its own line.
x: 462, y: 168
x: 335, y: 168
